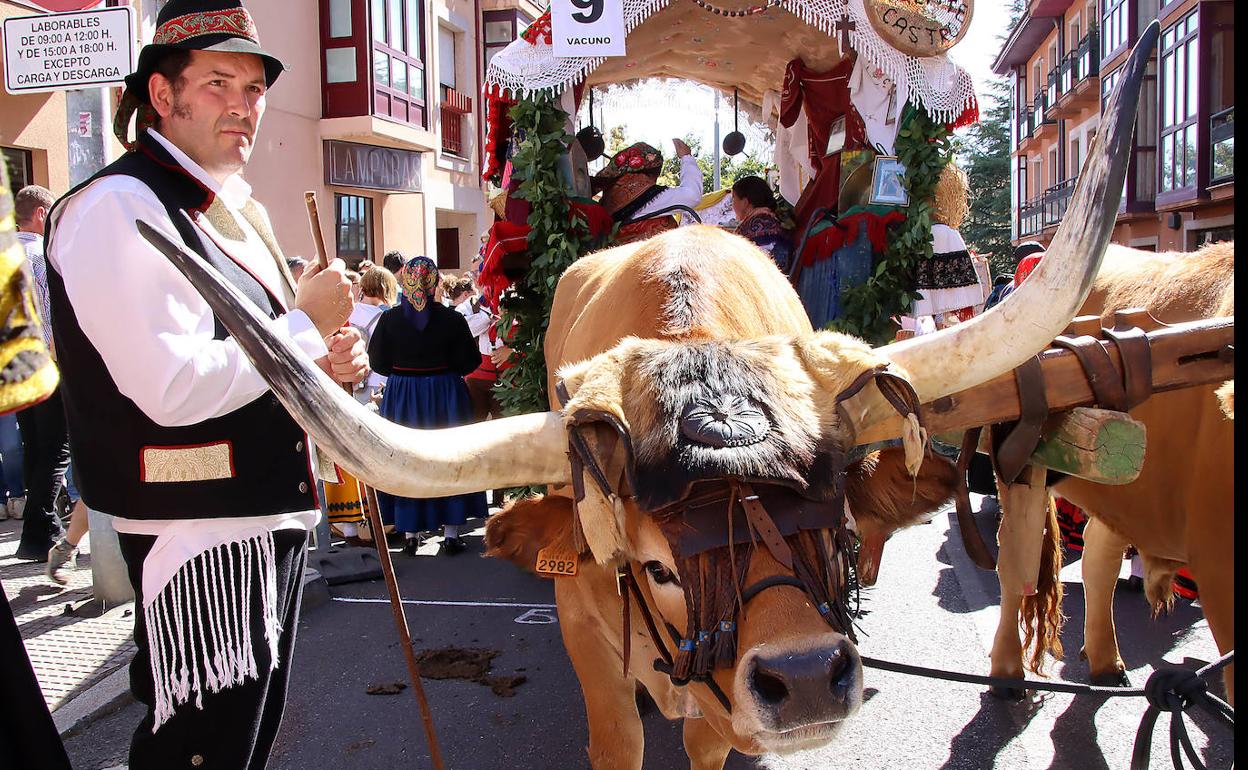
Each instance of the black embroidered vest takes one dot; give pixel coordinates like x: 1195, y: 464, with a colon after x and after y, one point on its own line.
x: 253, y: 461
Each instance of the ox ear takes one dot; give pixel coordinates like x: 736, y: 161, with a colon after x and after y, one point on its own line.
x: 883, y: 498
x: 601, y: 472
x: 527, y: 526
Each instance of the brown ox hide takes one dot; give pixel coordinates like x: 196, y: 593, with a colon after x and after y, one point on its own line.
x: 696, y: 291
x: 1179, y: 510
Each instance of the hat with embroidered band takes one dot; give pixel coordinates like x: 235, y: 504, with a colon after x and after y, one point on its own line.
x: 639, y: 158
x: 223, y: 26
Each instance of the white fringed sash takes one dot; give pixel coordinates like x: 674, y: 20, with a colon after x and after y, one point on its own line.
x: 198, y: 644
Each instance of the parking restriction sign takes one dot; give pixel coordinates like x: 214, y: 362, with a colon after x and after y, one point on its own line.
x: 62, y: 51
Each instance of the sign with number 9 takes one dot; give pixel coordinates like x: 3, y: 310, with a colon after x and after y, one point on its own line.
x: 587, y: 28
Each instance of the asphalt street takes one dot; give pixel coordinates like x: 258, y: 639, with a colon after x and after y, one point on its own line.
x: 931, y: 607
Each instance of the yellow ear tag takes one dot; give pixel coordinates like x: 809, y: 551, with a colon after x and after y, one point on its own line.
x: 558, y: 560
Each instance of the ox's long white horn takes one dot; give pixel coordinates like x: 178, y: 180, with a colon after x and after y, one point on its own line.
x: 516, y: 451
x: 996, y: 342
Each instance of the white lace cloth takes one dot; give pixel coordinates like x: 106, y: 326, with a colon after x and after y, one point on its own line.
x: 943, y: 88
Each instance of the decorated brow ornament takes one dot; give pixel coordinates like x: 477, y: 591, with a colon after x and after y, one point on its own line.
x: 726, y: 421
x: 753, y: 10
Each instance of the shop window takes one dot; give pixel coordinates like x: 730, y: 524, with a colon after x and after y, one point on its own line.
x: 353, y: 227
x: 1198, y: 238
x: 19, y: 165
x: 1180, y: 87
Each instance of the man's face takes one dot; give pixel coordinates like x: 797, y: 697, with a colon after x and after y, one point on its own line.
x: 213, y: 111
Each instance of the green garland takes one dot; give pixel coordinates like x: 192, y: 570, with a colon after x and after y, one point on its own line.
x: 924, y: 148
x: 555, y: 241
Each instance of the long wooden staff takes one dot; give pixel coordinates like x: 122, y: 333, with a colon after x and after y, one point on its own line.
x: 379, y: 540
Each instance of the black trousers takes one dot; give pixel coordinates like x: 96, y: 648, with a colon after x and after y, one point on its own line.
x: 28, y: 737
x: 237, y: 726
x: 45, y: 449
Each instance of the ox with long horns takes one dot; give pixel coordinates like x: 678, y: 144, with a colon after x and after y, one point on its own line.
x: 705, y: 432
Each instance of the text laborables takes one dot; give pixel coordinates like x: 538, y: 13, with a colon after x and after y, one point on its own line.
x: 55, y: 24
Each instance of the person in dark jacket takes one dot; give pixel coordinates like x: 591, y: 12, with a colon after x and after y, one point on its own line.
x: 424, y: 350
x: 755, y: 206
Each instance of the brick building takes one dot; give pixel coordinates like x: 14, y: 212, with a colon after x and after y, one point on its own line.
x: 1063, y: 59
x: 379, y: 112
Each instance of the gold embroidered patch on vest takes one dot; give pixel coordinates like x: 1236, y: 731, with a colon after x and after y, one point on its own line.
x: 192, y: 463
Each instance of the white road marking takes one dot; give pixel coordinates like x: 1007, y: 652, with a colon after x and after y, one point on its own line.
x: 432, y: 603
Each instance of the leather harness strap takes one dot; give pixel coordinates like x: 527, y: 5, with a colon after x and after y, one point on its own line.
x: 762, y: 523
x: 976, y: 548
x: 1137, y: 363
x: 1107, y: 387
x: 1014, y: 450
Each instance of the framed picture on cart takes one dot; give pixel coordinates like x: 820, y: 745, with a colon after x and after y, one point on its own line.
x: 888, y: 182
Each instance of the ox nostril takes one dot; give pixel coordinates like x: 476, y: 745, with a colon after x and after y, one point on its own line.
x: 769, y: 687
x: 840, y: 668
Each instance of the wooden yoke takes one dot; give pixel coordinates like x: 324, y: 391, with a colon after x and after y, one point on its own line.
x: 1183, y: 356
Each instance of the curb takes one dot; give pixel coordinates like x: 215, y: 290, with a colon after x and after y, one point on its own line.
x: 95, y: 701
x: 106, y: 695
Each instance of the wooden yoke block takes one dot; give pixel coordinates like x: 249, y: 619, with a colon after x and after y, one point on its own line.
x: 1084, y: 325
x: 1136, y: 316
x: 1099, y: 445
x: 1024, y: 510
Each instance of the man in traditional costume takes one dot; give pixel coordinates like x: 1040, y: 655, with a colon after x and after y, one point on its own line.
x: 632, y: 195
x: 174, y: 432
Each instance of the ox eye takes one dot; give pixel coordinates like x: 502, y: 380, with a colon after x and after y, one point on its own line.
x: 659, y: 573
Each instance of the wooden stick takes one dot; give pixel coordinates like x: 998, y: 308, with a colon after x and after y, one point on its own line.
x: 383, y: 552
x: 318, y: 237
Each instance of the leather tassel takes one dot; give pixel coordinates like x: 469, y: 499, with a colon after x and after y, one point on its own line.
x: 914, y: 439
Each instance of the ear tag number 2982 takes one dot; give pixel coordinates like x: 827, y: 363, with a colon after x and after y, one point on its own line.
x: 557, y: 561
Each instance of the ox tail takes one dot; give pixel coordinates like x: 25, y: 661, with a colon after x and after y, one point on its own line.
x: 1042, y: 617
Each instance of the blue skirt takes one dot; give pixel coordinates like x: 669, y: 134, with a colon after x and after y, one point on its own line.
x: 428, y: 401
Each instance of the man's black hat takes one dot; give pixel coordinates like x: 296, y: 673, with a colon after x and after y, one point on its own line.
x: 201, y: 25
x: 189, y: 25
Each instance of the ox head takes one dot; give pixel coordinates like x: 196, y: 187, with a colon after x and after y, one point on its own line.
x: 712, y: 478
x: 664, y: 433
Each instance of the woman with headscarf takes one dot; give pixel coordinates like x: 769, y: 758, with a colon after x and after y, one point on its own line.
x: 755, y: 206
x: 424, y: 350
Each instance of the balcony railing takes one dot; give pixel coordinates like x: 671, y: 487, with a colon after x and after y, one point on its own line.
x: 1055, y: 201
x: 1050, y: 89
x: 455, y: 106
x: 1081, y: 63
x: 1031, y: 217
x: 1024, y: 123
x: 1222, y: 146
x: 1040, y: 112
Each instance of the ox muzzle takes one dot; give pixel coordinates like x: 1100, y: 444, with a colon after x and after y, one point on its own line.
x: 793, y: 688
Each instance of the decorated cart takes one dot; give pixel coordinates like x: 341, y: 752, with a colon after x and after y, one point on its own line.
x: 862, y: 98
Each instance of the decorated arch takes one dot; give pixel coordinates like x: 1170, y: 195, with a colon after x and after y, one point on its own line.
x: 771, y: 53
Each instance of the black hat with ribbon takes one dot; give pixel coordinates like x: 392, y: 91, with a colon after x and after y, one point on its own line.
x: 190, y: 25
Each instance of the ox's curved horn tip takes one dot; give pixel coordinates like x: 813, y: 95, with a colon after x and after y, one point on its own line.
x: 991, y: 344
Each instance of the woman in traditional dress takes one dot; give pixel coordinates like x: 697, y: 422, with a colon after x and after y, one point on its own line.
x: 345, y: 501
x: 755, y: 206
x: 424, y: 350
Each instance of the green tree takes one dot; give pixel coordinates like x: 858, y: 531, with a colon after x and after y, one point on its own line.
x: 986, y: 155
x: 730, y: 169
x: 616, y: 140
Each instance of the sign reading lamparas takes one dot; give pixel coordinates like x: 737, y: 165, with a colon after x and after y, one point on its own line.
x: 57, y: 52
x: 375, y: 168
x: 587, y: 27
